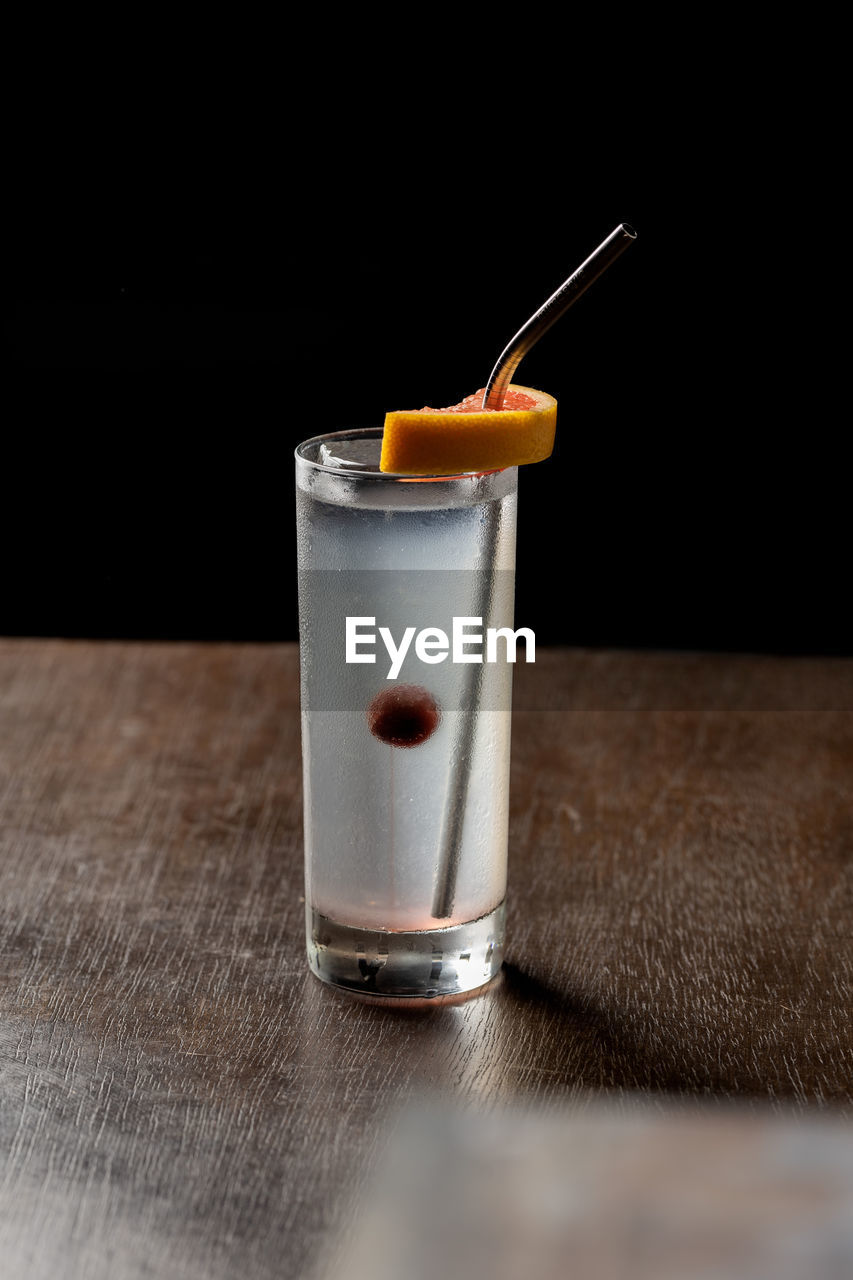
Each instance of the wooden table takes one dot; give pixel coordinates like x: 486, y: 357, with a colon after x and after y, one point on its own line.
x: 180, y: 1098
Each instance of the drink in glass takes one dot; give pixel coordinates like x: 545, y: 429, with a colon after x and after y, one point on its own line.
x: 405, y: 758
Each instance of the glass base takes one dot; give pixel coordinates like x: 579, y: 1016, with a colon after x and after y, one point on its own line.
x: 420, y: 963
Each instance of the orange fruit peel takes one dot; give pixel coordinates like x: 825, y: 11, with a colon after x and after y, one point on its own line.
x: 465, y: 437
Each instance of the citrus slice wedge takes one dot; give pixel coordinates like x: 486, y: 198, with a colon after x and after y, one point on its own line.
x: 465, y: 437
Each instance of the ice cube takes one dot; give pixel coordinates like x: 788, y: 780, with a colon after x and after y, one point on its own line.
x: 354, y: 455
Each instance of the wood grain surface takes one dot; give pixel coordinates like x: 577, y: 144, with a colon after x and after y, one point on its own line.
x: 180, y: 1098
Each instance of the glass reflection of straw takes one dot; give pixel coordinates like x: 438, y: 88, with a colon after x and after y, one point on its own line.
x: 528, y: 335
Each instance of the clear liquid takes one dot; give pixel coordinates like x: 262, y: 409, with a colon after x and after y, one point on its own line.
x: 376, y: 815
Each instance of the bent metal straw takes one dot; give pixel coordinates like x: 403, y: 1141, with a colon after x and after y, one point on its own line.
x: 528, y: 335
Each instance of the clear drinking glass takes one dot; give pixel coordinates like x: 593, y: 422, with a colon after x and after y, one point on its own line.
x: 406, y: 779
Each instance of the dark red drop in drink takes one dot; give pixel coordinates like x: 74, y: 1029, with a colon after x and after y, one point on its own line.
x: 404, y: 715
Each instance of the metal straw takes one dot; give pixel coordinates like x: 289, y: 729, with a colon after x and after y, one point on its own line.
x: 557, y: 305
x: 457, y: 789
x: 512, y: 355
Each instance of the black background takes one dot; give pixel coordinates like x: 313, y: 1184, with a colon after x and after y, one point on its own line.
x: 205, y: 271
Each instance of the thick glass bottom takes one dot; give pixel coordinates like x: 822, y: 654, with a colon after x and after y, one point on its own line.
x: 421, y: 963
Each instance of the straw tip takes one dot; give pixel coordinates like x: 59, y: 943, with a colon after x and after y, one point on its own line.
x: 629, y: 230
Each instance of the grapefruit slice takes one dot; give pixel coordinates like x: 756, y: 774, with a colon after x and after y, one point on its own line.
x: 465, y: 437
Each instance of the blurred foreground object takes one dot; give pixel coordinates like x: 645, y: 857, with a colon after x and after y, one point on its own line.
x: 677, y: 1193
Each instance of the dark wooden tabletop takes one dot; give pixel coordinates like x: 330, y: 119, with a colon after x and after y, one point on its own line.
x: 180, y: 1097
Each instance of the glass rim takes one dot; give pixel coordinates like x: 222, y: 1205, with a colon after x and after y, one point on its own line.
x: 398, y: 477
